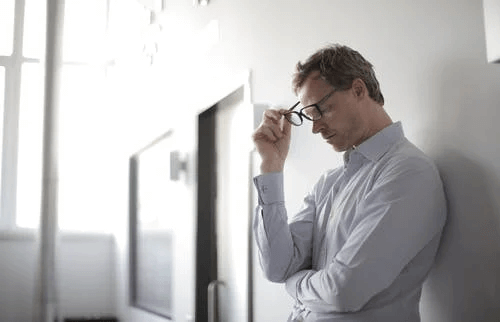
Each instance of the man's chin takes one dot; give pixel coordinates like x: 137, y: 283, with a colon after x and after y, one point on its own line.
x: 338, y: 148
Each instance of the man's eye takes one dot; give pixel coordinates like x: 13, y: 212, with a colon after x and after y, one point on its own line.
x: 309, y: 111
x: 312, y: 112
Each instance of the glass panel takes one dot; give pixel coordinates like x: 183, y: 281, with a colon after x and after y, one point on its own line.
x: 84, y: 41
x: 84, y: 190
x: 6, y: 26
x: 29, y: 162
x: 34, y: 29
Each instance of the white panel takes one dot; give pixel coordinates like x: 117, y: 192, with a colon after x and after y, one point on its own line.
x: 86, y: 277
x: 233, y: 125
x: 17, y: 280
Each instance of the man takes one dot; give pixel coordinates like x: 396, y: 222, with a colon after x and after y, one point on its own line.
x: 366, y: 236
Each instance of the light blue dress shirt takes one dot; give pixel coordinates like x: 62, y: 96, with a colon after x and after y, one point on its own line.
x: 365, y: 238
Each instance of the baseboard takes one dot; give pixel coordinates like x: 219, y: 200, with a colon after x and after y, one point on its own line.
x: 91, y: 319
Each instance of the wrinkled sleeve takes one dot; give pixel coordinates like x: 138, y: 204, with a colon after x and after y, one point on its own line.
x: 284, y: 248
x: 404, y: 212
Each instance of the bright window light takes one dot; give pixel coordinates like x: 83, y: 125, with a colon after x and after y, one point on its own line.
x: 6, y: 26
x: 84, y: 41
x: 29, y: 166
x: 85, y: 146
x: 34, y: 29
x: 126, y: 28
x: 83, y: 194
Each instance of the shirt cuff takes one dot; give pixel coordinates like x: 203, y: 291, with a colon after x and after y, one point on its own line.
x: 270, y: 188
x: 292, y: 282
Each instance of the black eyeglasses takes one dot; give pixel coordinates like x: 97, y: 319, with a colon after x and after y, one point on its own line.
x: 310, y: 112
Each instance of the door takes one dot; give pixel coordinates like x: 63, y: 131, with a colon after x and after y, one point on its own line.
x: 225, y: 262
x: 206, y: 234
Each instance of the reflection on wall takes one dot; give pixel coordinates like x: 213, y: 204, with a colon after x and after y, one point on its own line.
x: 154, y: 272
x: 152, y: 220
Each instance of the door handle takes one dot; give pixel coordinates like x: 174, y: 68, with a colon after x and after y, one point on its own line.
x: 213, y: 300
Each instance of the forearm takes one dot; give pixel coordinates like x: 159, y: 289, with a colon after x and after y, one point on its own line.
x: 327, y: 290
x: 274, y: 243
x: 367, y: 266
x: 334, y: 289
x: 283, y: 247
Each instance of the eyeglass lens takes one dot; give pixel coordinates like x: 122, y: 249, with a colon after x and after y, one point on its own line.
x: 312, y: 112
x: 294, y: 118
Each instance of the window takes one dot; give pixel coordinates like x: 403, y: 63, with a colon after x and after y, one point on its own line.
x: 29, y: 152
x: 34, y: 29
x: 81, y: 149
x: 26, y: 108
x: 6, y: 26
x: 85, y: 66
x: 84, y: 44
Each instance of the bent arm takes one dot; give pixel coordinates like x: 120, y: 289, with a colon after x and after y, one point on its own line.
x: 284, y: 248
x: 397, y: 219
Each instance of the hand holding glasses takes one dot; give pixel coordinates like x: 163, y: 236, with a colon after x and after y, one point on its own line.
x: 310, y: 112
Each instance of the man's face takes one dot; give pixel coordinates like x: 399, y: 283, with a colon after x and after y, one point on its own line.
x: 342, y: 124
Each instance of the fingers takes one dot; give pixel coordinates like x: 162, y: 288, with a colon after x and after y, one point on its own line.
x: 270, y: 127
x: 287, y: 126
x: 266, y: 134
x: 272, y: 119
x: 273, y: 115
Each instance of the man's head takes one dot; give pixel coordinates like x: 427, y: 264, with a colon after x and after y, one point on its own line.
x: 339, y: 66
x: 354, y: 112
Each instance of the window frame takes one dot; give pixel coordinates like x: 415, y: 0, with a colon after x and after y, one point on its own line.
x: 12, y: 102
x: 12, y: 65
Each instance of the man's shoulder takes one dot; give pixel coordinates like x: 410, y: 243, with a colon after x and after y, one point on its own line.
x: 406, y: 155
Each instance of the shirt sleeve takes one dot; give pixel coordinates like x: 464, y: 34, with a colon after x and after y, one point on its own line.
x: 284, y: 248
x: 404, y: 212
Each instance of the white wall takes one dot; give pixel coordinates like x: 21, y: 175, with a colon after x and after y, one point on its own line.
x: 430, y: 59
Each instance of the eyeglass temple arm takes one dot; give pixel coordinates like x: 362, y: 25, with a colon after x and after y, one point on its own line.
x: 294, y: 106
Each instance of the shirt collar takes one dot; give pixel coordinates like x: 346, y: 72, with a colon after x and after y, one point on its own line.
x: 377, y: 145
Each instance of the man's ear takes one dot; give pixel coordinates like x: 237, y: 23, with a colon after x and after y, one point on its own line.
x: 359, y: 88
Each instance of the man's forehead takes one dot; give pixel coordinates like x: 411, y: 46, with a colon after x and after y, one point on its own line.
x: 313, y: 89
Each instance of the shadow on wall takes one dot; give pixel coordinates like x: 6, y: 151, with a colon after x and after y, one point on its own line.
x: 465, y: 282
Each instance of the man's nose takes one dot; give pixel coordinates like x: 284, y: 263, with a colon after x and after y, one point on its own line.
x: 316, y: 126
